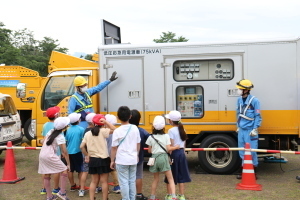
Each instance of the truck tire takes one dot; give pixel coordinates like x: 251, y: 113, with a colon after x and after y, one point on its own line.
x: 27, y: 130
x: 219, y: 162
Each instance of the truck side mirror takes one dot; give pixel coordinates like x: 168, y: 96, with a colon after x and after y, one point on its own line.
x: 21, y: 90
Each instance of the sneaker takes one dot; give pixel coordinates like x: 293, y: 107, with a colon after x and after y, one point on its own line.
x: 98, y: 189
x: 52, y: 198
x: 43, y: 191
x: 297, y: 177
x: 55, y: 191
x: 62, y: 196
x: 142, y: 197
x: 74, y: 187
x: 152, y: 197
x: 117, y: 189
x: 168, y: 197
x: 181, y: 197
x: 81, y: 193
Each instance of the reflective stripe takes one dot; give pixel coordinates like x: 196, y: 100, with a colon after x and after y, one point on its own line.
x: 247, y: 152
x: 249, y: 171
x: 243, y: 112
x: 245, y: 117
x: 82, y: 103
x: 247, y: 161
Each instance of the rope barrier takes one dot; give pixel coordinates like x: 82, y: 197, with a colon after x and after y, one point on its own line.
x: 15, y: 147
x: 188, y: 149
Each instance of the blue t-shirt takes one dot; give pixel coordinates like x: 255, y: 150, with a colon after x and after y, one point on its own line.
x: 74, y: 137
x: 47, y: 127
x: 144, y: 136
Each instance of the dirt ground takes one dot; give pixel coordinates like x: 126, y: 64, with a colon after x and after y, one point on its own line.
x: 277, y: 180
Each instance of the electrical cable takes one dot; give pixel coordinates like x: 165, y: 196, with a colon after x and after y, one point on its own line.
x: 288, y: 170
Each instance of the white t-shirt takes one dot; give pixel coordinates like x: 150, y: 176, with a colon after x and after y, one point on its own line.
x: 127, y: 153
x: 174, y: 135
x: 163, y: 140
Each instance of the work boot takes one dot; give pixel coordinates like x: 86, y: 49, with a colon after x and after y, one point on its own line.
x: 255, y: 173
x: 239, y: 173
x: 298, y: 178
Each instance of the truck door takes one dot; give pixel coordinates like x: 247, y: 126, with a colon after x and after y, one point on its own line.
x: 203, y: 90
x: 129, y: 92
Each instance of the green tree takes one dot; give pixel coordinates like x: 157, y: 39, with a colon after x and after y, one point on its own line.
x: 88, y: 57
x: 169, y: 37
x: 8, y: 53
x: 34, y: 54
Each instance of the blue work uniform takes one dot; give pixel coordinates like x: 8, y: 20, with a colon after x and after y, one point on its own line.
x: 84, y: 98
x: 248, y: 118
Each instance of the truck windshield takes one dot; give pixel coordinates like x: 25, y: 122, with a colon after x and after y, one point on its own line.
x: 57, y: 88
x: 7, y: 106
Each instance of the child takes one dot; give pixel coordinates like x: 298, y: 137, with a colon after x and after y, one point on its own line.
x: 97, y: 155
x: 113, y: 120
x: 52, y: 113
x: 179, y: 167
x: 74, y: 137
x: 85, y: 167
x: 124, y: 153
x: 135, y: 119
x: 50, y: 162
x: 159, y: 145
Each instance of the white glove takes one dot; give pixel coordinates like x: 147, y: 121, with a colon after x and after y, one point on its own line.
x: 237, y: 130
x: 254, y: 132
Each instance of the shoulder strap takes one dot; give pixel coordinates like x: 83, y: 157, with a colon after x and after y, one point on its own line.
x: 160, y: 145
x: 125, y: 135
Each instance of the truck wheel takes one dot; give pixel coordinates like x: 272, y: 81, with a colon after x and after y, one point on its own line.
x: 28, y: 131
x: 219, y: 162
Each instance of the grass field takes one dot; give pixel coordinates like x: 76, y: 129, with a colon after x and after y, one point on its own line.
x: 276, y: 184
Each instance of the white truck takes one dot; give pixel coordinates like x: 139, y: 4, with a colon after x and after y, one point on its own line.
x: 10, y: 122
x: 199, y: 80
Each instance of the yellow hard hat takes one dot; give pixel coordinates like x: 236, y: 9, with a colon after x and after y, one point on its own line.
x: 244, y: 84
x: 79, y: 81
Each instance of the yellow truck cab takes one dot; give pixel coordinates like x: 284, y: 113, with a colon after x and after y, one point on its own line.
x: 57, y: 88
x: 10, y: 123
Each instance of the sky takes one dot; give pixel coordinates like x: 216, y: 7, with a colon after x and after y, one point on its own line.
x: 76, y: 23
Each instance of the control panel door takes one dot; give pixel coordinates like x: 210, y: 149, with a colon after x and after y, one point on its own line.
x: 199, y: 101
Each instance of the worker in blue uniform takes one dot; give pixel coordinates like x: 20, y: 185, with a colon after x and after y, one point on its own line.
x: 81, y: 101
x: 248, y: 120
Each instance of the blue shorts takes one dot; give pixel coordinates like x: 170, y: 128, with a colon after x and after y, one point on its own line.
x: 139, y: 170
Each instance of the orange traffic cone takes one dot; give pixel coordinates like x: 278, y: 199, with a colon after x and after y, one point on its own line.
x: 10, y: 171
x: 248, y: 175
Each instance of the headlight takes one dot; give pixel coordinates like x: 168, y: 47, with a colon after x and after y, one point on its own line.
x: 33, y: 127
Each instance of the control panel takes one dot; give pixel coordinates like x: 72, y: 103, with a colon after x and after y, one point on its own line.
x: 190, y: 101
x: 192, y: 70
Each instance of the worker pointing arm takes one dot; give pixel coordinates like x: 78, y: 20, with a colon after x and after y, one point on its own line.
x: 81, y: 101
